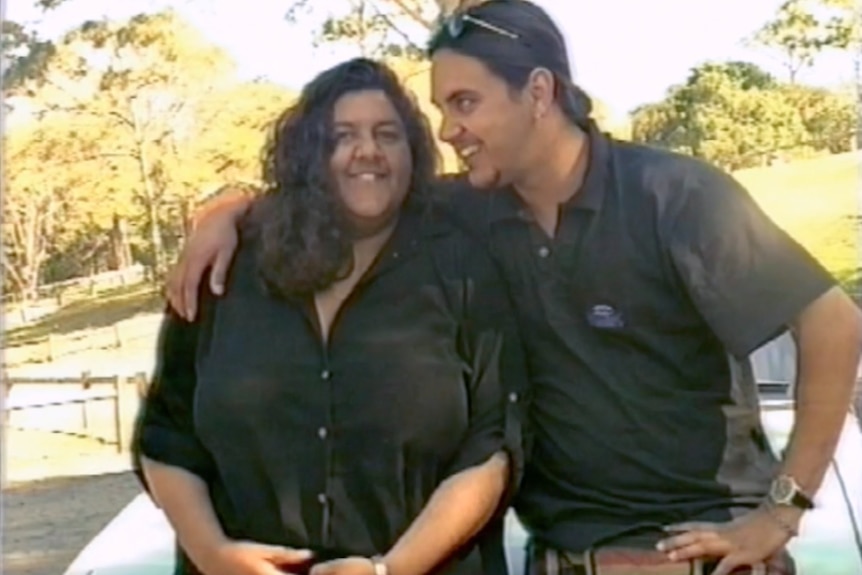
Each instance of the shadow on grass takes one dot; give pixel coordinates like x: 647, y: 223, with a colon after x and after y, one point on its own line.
x: 103, y: 310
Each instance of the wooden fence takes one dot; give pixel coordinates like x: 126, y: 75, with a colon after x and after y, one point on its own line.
x: 51, y: 297
x: 125, y: 335
x: 53, y: 401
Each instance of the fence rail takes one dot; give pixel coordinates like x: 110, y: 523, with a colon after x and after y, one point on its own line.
x: 128, y: 334
x: 50, y: 297
x: 54, y: 400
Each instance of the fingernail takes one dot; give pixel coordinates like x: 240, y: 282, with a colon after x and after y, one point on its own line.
x: 217, y: 289
x: 305, y: 554
x: 660, y: 546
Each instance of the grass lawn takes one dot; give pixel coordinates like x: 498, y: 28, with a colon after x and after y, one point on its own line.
x: 103, y: 310
x: 818, y: 202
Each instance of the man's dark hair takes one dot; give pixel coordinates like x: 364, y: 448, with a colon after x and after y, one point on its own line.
x: 540, y: 44
x: 303, y: 240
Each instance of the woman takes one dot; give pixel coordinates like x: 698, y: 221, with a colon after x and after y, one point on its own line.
x: 352, y: 404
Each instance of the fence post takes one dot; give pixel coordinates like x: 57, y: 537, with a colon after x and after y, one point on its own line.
x: 119, y: 410
x: 4, y: 433
x: 127, y: 390
x: 85, y: 405
x: 142, y: 384
x: 118, y: 339
x: 51, y: 343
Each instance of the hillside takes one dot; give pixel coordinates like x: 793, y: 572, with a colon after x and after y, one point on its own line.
x: 818, y: 202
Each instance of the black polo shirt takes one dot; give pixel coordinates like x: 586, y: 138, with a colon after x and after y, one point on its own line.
x: 637, y: 318
x: 338, y: 447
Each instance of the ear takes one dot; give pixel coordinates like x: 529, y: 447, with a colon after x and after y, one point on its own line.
x: 541, y: 88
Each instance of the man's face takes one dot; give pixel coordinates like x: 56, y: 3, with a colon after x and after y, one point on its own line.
x: 488, y: 124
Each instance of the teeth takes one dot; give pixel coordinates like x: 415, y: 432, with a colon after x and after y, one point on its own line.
x: 367, y: 177
x: 468, y: 151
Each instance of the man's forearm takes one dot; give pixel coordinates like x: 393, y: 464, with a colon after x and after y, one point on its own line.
x: 457, y: 511
x: 828, y: 336
x: 235, y: 202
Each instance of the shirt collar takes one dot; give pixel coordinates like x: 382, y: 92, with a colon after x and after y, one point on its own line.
x: 506, y: 204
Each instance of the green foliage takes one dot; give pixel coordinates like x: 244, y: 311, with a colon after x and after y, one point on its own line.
x: 115, y: 135
x: 830, y: 117
x: 24, y: 54
x: 232, y: 128
x: 803, y: 29
x: 378, y: 28
x: 738, y: 116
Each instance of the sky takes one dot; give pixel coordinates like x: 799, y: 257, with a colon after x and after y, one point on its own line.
x: 624, y: 52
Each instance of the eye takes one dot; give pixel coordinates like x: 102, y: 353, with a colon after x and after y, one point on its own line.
x: 465, y: 104
x: 342, y: 136
x: 389, y: 136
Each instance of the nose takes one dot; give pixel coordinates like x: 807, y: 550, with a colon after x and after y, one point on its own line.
x: 367, y: 147
x: 448, y: 130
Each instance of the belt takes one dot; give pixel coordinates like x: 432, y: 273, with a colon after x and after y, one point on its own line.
x: 542, y: 560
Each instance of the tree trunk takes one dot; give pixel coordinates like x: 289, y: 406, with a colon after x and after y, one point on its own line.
x: 150, y: 200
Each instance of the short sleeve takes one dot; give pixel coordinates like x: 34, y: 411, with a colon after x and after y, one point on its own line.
x: 497, y: 377
x: 747, y: 277
x: 165, y: 427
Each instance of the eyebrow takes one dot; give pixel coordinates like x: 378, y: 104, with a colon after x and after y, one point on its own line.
x: 382, y: 124
x: 455, y: 95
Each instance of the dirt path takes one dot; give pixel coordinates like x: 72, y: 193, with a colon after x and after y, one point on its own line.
x: 47, y: 523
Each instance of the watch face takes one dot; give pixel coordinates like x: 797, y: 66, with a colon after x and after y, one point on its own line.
x: 782, y: 490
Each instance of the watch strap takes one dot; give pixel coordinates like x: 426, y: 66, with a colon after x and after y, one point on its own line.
x: 801, y: 501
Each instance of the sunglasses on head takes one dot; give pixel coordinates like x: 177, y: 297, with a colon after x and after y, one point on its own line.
x: 455, y: 25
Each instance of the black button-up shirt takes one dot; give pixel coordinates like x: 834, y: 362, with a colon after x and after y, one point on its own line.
x: 637, y: 318
x: 338, y: 447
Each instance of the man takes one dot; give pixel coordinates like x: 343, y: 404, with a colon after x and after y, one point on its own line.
x: 643, y: 280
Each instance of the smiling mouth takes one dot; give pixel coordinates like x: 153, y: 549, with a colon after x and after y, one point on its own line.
x: 466, y: 153
x: 368, y: 177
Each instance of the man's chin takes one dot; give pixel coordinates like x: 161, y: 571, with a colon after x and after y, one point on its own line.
x: 483, y: 179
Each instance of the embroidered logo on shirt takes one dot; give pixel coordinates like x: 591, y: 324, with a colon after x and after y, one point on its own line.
x: 605, y: 317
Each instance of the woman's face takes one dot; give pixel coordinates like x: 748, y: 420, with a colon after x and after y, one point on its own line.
x: 371, y: 163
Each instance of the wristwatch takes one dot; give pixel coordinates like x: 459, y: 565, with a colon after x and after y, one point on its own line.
x: 785, y: 491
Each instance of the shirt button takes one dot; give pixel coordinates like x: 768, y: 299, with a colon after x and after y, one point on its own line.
x: 321, y: 498
x: 322, y: 433
x: 325, y: 374
x: 513, y: 397
x: 544, y: 252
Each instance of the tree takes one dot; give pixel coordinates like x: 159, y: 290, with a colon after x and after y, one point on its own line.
x: 39, y: 201
x: 24, y: 54
x: 136, y: 83
x: 381, y: 28
x: 802, y: 29
x: 731, y: 114
x: 231, y: 128
x: 830, y: 118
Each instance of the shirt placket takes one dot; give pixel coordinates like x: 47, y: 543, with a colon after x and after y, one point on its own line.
x: 324, y: 436
x: 328, y: 375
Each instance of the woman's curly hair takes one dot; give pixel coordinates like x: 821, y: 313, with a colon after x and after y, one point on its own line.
x: 303, y: 240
